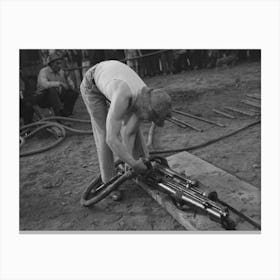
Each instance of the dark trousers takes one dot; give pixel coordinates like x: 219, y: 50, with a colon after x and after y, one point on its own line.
x: 26, y: 111
x: 62, y: 102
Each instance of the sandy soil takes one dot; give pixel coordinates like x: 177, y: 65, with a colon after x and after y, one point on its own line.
x: 51, y: 183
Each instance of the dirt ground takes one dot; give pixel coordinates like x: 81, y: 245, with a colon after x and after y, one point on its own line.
x: 51, y: 183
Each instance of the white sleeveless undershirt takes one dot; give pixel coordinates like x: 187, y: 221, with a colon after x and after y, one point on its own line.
x: 108, y: 71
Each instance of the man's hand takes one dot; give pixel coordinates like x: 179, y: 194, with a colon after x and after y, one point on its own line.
x: 64, y: 85
x: 139, y: 167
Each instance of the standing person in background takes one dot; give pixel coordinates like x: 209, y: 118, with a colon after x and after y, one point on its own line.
x: 54, y: 89
x: 149, y: 63
x: 75, y: 59
x: 155, y: 61
x: 141, y: 65
x: 85, y: 62
x: 133, y: 63
x: 180, y: 60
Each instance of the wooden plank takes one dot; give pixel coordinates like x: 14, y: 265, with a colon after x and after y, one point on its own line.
x: 175, y: 120
x: 253, y: 110
x: 251, y: 103
x: 240, y: 111
x: 223, y: 114
x: 255, y: 96
x: 197, y: 118
x: 176, y: 123
x: 237, y: 193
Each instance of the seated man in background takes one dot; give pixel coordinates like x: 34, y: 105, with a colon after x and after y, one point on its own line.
x: 54, y: 89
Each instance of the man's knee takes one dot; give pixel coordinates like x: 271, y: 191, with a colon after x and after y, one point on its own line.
x: 52, y: 99
x: 41, y: 100
x: 73, y: 92
x: 52, y: 95
x: 52, y: 91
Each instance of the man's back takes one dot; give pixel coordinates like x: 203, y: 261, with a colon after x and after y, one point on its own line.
x: 108, y: 71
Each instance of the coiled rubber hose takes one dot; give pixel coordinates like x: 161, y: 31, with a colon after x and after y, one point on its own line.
x: 97, y: 191
x: 48, y: 123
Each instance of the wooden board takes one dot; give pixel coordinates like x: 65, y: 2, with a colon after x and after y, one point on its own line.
x: 251, y: 114
x: 237, y: 193
x: 255, y: 96
x: 251, y: 103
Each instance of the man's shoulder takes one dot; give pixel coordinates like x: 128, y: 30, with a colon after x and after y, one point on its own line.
x: 120, y: 88
x: 44, y: 70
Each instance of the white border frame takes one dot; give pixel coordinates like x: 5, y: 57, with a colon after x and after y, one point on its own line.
x: 153, y: 24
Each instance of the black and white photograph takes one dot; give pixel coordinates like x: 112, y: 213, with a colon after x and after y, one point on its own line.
x: 140, y: 140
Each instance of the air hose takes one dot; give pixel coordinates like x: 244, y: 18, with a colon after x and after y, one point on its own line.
x: 49, y: 122
x: 42, y: 125
x: 194, y: 147
x: 240, y: 214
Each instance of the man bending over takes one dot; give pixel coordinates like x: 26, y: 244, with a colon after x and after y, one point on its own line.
x: 117, y: 128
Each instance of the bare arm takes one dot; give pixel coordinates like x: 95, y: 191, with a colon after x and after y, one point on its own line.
x: 116, y: 115
x: 44, y: 83
x: 115, y: 118
x: 129, y: 134
x: 133, y: 138
x: 143, y: 143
